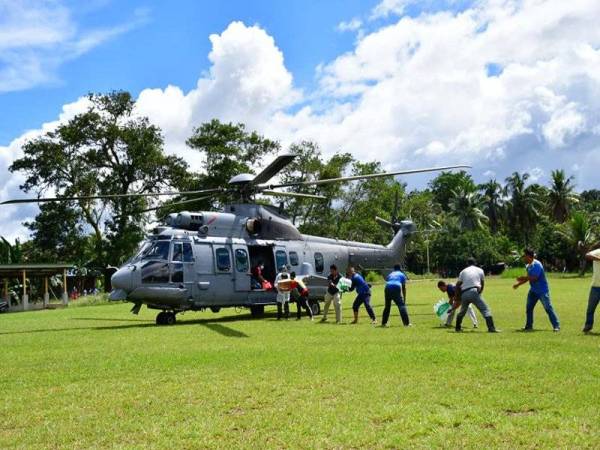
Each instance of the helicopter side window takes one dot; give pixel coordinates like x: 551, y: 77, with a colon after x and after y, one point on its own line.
x: 188, y: 254
x: 158, y: 250
x: 241, y: 260
x: 294, y: 258
x: 280, y: 259
x: 177, y: 252
x: 319, y: 263
x: 223, y: 260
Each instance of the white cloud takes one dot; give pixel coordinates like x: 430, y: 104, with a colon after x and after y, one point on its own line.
x: 389, y: 7
x: 37, y: 37
x: 351, y: 25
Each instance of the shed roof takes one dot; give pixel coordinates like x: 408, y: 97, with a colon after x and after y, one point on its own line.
x: 32, y: 270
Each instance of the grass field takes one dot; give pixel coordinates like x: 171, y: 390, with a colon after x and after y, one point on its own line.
x: 99, y: 377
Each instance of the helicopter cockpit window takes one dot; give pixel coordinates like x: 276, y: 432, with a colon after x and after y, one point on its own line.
x: 280, y: 259
x: 241, y: 260
x: 158, y: 250
x: 223, y: 260
x: 155, y: 272
x: 294, y: 258
x: 319, y: 263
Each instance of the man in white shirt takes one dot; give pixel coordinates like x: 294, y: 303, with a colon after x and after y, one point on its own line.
x: 471, y: 282
x: 283, y: 294
x: 594, y: 297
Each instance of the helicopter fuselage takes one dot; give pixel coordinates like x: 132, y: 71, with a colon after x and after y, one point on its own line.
x: 208, y: 262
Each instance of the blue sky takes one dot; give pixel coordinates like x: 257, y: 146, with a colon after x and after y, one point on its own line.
x: 170, y: 46
x: 501, y: 85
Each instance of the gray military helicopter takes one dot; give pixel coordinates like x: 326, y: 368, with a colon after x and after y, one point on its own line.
x: 203, y: 260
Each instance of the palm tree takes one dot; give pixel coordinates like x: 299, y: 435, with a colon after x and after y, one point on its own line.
x: 492, y: 203
x: 561, y: 196
x: 466, y: 207
x: 523, y: 205
x: 581, y: 231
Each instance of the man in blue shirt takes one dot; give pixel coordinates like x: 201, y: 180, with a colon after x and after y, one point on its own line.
x: 395, y: 290
x: 363, y: 292
x: 538, y: 290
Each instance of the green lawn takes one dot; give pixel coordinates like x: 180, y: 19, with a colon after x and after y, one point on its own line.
x: 99, y: 377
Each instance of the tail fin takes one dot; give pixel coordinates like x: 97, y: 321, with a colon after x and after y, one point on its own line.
x: 405, y: 229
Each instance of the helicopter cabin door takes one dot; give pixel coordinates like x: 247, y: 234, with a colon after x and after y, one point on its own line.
x: 182, y: 266
x: 241, y: 268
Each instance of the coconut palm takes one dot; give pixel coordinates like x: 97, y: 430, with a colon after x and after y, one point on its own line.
x: 561, y: 196
x: 492, y: 198
x: 582, y: 231
x: 465, y: 206
x: 523, y: 205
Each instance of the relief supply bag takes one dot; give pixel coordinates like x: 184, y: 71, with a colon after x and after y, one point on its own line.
x: 442, y: 309
x: 344, y: 284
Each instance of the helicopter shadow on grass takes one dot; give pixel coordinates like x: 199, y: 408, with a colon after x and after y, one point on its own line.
x: 215, y: 325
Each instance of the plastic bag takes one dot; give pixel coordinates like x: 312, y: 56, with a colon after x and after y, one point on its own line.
x: 344, y: 284
x: 442, y: 309
x: 267, y: 285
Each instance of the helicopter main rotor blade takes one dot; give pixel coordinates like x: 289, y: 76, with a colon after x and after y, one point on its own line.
x: 182, y: 202
x: 273, y: 169
x: 364, y: 177
x: 99, y: 197
x: 292, y: 194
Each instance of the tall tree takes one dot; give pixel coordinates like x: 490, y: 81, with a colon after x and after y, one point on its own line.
x: 466, y: 207
x: 227, y: 150
x: 523, y: 206
x: 492, y: 203
x: 105, y: 150
x: 443, y: 185
x: 582, y: 231
x: 561, y: 195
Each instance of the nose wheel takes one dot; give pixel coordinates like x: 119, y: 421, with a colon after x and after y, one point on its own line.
x: 165, y: 318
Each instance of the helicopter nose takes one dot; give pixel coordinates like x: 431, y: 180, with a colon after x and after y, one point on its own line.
x: 122, y: 279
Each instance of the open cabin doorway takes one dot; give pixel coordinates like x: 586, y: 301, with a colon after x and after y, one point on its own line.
x: 264, y: 254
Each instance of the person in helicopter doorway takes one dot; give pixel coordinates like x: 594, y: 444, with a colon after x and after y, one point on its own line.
x: 258, y: 279
x: 363, y: 291
x: 395, y: 290
x: 283, y: 293
x: 299, y: 293
x: 454, y: 302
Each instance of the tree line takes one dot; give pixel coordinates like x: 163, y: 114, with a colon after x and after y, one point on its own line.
x: 108, y: 150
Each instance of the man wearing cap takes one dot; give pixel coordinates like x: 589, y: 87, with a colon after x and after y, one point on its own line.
x: 283, y: 293
x: 594, y: 297
x: 538, y: 290
x: 471, y: 282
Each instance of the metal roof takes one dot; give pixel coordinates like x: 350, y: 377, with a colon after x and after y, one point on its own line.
x: 32, y: 270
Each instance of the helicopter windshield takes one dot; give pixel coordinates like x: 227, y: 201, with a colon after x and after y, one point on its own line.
x: 157, y: 250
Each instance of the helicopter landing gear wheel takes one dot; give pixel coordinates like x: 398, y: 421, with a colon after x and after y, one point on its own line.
x: 165, y: 318
x: 316, y: 308
x: 170, y: 318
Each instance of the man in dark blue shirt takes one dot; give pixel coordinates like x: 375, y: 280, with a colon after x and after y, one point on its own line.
x: 395, y: 290
x: 363, y: 292
x: 454, y: 301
